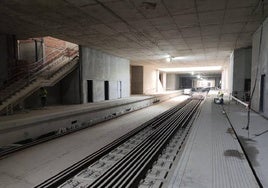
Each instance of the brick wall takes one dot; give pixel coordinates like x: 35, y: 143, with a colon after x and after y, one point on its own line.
x: 53, y: 46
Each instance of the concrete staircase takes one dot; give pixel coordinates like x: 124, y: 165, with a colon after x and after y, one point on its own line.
x: 48, y: 75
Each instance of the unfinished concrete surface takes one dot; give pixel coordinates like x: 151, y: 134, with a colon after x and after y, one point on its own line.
x: 136, y: 79
x: 259, y: 71
x: 37, y: 164
x: 205, y: 30
x: 114, y: 34
x: 213, y: 156
x: 99, y: 67
x: 241, y: 72
x: 57, y: 119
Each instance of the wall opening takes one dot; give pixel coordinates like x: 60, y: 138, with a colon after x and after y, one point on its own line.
x: 90, y: 91
x: 136, y: 79
x: 106, y: 90
x: 247, y: 85
x: 262, y: 92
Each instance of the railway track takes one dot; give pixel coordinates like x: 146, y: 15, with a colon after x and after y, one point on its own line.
x: 133, y: 159
x: 10, y: 149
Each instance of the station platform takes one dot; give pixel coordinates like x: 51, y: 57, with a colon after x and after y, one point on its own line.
x: 213, y: 156
x: 32, y: 166
x: 32, y: 124
x: 254, y: 140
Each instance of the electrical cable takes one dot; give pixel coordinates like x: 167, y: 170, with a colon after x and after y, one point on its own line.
x: 255, y: 80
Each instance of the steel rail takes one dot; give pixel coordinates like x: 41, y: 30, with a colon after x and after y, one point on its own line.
x: 5, y: 152
x: 138, y: 174
x: 142, y: 162
x: 160, y: 143
x: 68, y: 173
x: 119, y: 172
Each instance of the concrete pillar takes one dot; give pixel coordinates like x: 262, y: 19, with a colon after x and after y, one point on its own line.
x: 150, y: 79
x: 241, y: 60
x: 230, y: 76
x: 157, y: 72
x: 171, y: 81
x: 164, y: 81
x: 31, y: 50
x: 8, y: 55
x: 224, y: 79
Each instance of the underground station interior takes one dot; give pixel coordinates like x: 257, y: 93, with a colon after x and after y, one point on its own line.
x: 134, y: 93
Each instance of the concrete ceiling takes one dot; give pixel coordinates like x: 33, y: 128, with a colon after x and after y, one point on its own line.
x: 203, y: 32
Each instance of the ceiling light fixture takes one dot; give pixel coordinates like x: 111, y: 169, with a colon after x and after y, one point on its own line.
x: 169, y: 59
x: 181, y: 58
x: 191, y: 69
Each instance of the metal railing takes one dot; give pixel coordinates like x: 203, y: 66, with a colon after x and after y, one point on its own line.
x: 239, y: 101
x: 29, y: 72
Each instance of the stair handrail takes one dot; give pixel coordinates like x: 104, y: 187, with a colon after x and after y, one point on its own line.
x: 23, y: 72
x: 26, y: 70
x: 38, y: 70
x: 57, y: 71
x: 34, y: 69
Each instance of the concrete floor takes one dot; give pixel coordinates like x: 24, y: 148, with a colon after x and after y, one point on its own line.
x: 253, y: 140
x: 36, y: 164
x: 212, y: 157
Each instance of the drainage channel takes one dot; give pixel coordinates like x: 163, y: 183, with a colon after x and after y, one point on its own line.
x: 125, y: 162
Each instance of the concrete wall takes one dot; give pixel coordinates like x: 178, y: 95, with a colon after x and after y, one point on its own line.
x: 52, y: 46
x: 8, y: 55
x: 113, y: 86
x: 70, y: 88
x: 65, y: 92
x: 150, y: 79
x: 30, y: 50
x: 136, y: 79
x: 173, y: 81
x: 98, y: 90
x: 47, y: 47
x: 260, y: 67
x: 3, y: 59
x: 99, y: 67
x: 72, y: 119
x: 241, y: 71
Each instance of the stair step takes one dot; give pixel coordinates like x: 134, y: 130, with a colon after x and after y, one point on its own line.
x: 20, y: 88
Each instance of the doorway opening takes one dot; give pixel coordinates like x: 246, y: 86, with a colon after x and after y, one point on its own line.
x: 90, y: 91
x: 106, y: 90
